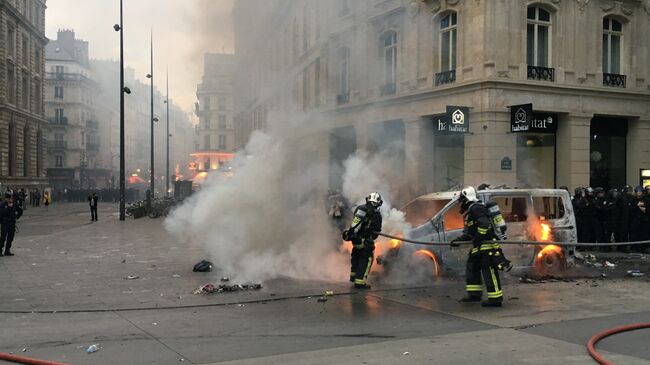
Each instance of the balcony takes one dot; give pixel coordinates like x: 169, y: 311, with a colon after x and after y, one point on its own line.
x: 445, y: 77
x: 58, y: 121
x: 388, y: 89
x: 541, y: 73
x: 92, y: 124
x: 57, y: 144
x: 614, y: 80
x: 342, y: 98
x: 58, y: 76
x: 92, y: 146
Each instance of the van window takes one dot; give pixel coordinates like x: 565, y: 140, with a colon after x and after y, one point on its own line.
x: 549, y: 207
x: 513, y: 208
x: 453, y: 219
x: 420, y: 211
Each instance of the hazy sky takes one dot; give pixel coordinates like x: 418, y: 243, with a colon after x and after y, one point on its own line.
x: 183, y: 31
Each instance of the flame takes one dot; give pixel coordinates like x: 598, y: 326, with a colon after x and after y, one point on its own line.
x: 549, y: 249
x: 545, y: 233
x: 395, y: 243
x: 433, y: 258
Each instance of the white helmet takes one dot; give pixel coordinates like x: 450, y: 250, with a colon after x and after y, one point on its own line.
x: 374, y: 199
x: 469, y: 194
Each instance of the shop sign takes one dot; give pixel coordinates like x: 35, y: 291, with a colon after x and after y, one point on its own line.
x: 506, y: 163
x: 456, y: 120
x: 524, y: 119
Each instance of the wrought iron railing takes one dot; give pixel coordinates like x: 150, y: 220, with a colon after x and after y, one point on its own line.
x: 388, y: 89
x: 541, y: 73
x: 614, y: 80
x: 58, y: 121
x: 445, y: 77
x: 57, y: 144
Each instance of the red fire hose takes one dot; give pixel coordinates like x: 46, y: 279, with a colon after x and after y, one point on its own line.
x: 591, y: 345
x: 26, y: 360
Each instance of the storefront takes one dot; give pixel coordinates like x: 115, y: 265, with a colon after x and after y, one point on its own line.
x: 449, y: 147
x: 607, y: 152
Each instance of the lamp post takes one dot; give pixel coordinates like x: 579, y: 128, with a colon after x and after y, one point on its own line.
x: 153, y: 119
x: 167, y: 172
x: 120, y: 28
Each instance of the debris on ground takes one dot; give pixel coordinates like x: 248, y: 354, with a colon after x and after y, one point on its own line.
x: 93, y: 348
x: 211, y: 288
x: 176, y: 276
x: 406, y: 353
x: 24, y: 350
x: 225, y: 279
x: 203, y: 266
x: 132, y: 277
x: 321, y: 299
x: 329, y: 293
x: 635, y: 273
x: 609, y: 264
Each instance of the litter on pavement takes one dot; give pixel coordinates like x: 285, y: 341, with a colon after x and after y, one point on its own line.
x: 132, y: 277
x: 203, y: 266
x: 93, y: 348
x: 211, y: 288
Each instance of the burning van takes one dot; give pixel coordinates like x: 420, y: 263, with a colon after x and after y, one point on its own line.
x: 530, y: 214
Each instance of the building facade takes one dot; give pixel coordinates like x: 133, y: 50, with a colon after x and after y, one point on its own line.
x: 441, y: 87
x: 71, y: 105
x: 23, y: 127
x: 215, y: 132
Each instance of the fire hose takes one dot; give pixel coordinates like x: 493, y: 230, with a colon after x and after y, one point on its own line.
x: 591, y: 345
x: 507, y: 242
x: 26, y: 360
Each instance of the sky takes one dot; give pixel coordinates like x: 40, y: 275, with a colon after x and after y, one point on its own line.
x: 183, y: 30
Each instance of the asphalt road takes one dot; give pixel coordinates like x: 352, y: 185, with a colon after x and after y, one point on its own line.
x: 66, y: 289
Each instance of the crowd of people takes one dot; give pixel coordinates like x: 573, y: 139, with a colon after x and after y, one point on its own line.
x: 617, y: 215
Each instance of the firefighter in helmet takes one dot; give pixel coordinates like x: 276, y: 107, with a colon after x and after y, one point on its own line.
x: 485, y: 257
x: 366, y: 224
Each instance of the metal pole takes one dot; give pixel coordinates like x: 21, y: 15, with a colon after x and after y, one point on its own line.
x: 151, y: 187
x: 122, y: 168
x: 167, y: 175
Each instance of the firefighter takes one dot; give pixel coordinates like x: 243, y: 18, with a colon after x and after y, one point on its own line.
x: 366, y: 224
x: 481, y: 266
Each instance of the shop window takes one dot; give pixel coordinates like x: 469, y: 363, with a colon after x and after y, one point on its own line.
x: 607, y: 151
x: 535, y: 160
x: 514, y: 209
x: 538, y: 37
x: 448, y: 161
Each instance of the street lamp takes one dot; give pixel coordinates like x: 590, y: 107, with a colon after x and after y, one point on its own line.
x: 120, y: 28
x: 168, y: 135
x: 153, y: 120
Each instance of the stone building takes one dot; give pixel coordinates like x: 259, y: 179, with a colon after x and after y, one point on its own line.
x: 23, y: 127
x: 433, y: 84
x: 215, y: 133
x: 71, y: 105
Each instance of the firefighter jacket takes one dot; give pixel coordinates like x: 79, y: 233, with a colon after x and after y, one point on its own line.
x: 478, y: 229
x: 366, y: 224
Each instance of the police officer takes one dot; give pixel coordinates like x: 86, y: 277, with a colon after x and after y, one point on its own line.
x: 602, y: 215
x: 589, y: 211
x: 638, y: 218
x: 366, y: 224
x: 481, y: 266
x: 575, y: 202
x: 9, y: 214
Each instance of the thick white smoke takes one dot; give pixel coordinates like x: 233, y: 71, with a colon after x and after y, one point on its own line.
x: 270, y: 220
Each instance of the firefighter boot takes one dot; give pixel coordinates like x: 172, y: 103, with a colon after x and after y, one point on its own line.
x: 491, y: 303
x: 471, y: 297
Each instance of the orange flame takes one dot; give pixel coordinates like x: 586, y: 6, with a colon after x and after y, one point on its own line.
x: 549, y: 249
x: 395, y: 243
x: 429, y: 254
x: 546, y: 233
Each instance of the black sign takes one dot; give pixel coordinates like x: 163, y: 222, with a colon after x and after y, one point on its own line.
x: 524, y: 119
x: 506, y: 163
x: 456, y: 120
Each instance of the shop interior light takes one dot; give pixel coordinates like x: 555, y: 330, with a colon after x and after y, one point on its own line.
x: 645, y: 172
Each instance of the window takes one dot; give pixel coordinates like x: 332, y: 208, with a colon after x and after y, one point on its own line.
x: 12, y: 148
x: 538, y: 37
x: 206, y: 103
x: 548, y: 207
x: 222, y: 103
x: 58, y: 161
x: 513, y: 209
x: 37, y: 61
x: 421, y: 211
x: 222, y: 122
x: 58, y: 92
x: 206, y: 122
x: 612, y: 36
x: 452, y: 218
x: 25, y: 91
x: 38, y: 107
x: 11, y: 41
x: 25, y: 46
x: 222, y: 142
x: 58, y: 116
x: 11, y: 83
x: 39, y: 152
x: 390, y: 62
x: 27, y: 145
x: 206, y: 142
x: 448, y: 35
x: 344, y: 75
x: 59, y: 72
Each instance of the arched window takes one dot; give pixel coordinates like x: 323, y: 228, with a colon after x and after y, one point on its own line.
x: 612, y: 39
x: 389, y: 40
x: 448, y: 35
x: 344, y: 75
x: 538, y: 37
x: 26, y: 151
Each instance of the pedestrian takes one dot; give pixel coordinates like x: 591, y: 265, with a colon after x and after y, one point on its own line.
x: 366, y: 224
x: 92, y: 201
x: 481, y: 266
x: 9, y: 214
x: 46, y: 199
